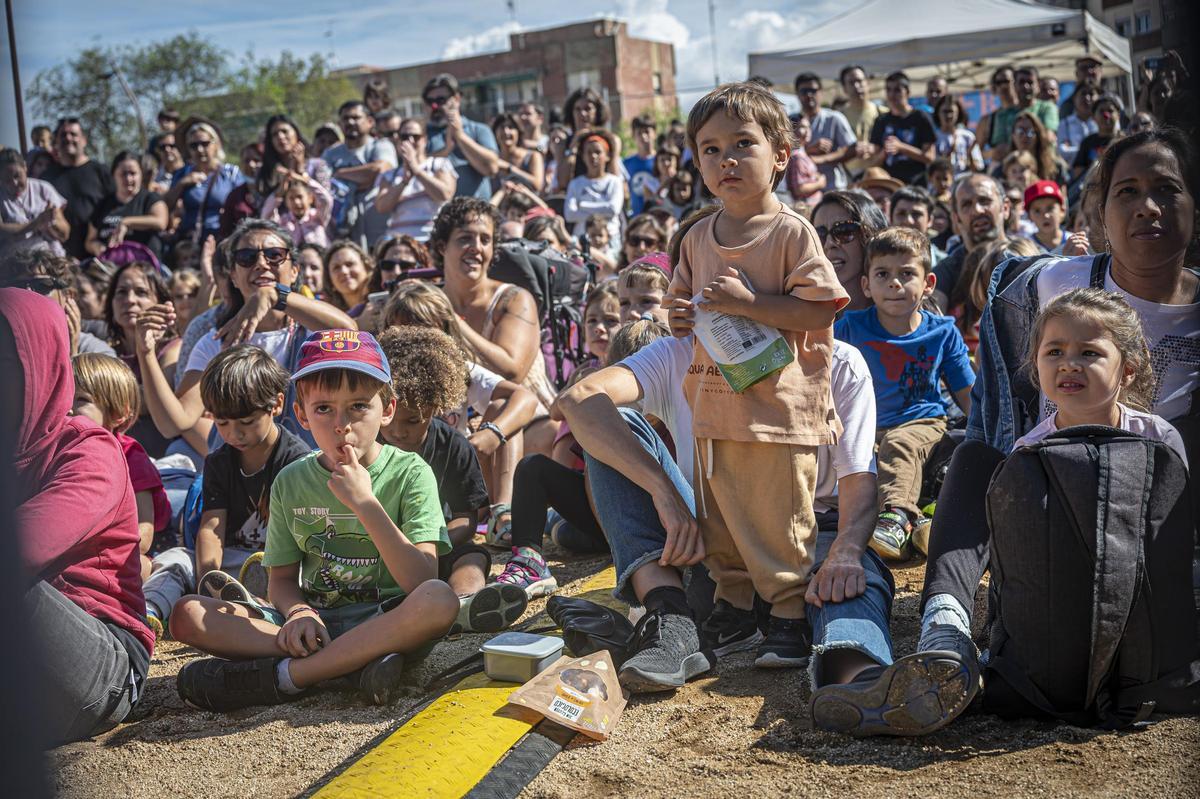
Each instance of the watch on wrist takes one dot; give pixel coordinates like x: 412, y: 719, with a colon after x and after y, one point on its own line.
x: 499, y: 433
x: 283, y: 292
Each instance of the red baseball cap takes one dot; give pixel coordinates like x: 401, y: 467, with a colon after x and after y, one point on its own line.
x: 356, y: 350
x: 1044, y: 188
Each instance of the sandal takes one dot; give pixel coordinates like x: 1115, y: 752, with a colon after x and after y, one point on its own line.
x: 499, y: 531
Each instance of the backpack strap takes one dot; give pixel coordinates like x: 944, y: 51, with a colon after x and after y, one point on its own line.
x: 1099, y: 270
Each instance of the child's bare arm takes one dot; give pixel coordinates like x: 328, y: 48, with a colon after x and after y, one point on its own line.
x: 728, y: 294
x: 302, y: 632
x: 145, y: 518
x: 210, y: 542
x: 461, y: 529
x: 962, y: 398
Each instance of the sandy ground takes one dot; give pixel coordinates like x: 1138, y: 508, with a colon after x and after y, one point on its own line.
x: 738, y: 731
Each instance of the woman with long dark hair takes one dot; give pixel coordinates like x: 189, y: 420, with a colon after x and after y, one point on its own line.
x: 846, y: 221
x: 285, y: 158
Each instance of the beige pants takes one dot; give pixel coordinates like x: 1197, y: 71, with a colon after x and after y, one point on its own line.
x: 901, y: 454
x: 754, y: 504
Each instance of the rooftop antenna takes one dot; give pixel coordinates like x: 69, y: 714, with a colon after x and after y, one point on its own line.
x: 712, y: 37
x: 512, y: 9
x: 333, y: 59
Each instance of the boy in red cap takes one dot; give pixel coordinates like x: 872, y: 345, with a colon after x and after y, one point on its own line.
x: 353, y: 539
x: 1046, y: 208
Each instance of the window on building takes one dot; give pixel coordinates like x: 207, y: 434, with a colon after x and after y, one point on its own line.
x: 656, y: 81
x: 583, y: 79
x: 1142, y: 22
x: 1124, y: 27
x: 410, y: 106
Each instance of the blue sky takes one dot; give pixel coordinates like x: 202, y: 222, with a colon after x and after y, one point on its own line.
x: 390, y: 33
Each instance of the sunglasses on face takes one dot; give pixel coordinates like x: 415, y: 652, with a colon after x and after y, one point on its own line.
x: 642, y: 241
x: 167, y: 146
x: 434, y: 102
x: 199, y: 145
x: 806, y: 92
x: 248, y: 256
x: 393, y: 264
x: 840, y: 232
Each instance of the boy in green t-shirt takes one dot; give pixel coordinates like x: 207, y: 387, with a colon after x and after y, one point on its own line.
x: 354, y: 535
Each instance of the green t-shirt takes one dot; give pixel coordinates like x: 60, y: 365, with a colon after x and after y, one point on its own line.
x: 339, y: 563
x: 1004, y: 119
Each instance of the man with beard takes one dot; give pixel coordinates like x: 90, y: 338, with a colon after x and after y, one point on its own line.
x: 473, y: 151
x: 978, y: 213
x: 359, y: 161
x: 79, y: 179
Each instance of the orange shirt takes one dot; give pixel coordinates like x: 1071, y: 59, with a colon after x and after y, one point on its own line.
x: 794, y: 405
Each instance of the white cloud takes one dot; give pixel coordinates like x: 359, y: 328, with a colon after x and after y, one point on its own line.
x: 492, y: 40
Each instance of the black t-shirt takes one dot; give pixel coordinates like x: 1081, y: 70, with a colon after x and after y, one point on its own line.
x: 915, y: 129
x: 456, y: 467
x: 1091, y: 148
x: 109, y: 213
x: 83, y: 187
x: 246, y: 499
x: 949, y: 269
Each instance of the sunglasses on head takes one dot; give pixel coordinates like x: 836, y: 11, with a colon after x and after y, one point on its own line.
x: 840, y: 232
x: 390, y: 264
x: 642, y: 241
x: 42, y: 284
x: 248, y: 256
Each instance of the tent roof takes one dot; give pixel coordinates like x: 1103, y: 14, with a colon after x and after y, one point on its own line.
x: 963, y: 40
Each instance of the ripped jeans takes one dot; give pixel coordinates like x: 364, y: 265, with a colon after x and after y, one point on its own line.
x: 860, y: 623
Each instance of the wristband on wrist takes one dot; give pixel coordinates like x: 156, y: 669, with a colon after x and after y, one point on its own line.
x: 299, y: 609
x: 499, y: 433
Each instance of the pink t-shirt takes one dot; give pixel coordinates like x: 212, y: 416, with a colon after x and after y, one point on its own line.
x: 801, y: 169
x: 144, y: 477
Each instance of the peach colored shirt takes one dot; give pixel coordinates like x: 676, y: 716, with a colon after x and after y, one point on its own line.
x: 795, y: 404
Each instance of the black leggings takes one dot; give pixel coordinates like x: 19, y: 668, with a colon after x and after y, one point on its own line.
x: 541, y: 483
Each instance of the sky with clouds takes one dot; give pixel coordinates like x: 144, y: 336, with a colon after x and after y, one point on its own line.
x: 387, y: 33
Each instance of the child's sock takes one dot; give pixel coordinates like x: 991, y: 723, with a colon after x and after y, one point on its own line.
x: 668, y: 599
x: 284, y: 678
x: 944, y: 609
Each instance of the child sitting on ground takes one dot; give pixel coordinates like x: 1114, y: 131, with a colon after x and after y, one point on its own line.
x: 243, y: 390
x: 107, y: 393
x: 641, y: 287
x: 1046, y: 208
x: 429, y: 377
x: 601, y: 319
x: 352, y: 547
x: 908, y: 350
x: 756, y: 465
x: 302, y: 208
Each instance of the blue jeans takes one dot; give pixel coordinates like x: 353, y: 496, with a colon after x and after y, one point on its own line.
x: 860, y: 623
x: 626, y: 512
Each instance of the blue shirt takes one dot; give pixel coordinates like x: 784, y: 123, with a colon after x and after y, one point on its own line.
x: 637, y: 166
x: 906, y: 369
x: 210, y: 195
x: 470, y: 182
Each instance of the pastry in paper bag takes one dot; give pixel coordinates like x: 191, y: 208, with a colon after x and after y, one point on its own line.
x: 580, y: 693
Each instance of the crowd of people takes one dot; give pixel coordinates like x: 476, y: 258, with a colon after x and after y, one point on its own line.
x: 271, y: 406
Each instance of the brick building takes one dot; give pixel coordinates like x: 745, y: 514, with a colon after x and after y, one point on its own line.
x: 633, y: 75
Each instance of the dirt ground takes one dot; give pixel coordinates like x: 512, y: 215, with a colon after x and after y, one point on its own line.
x: 737, y: 731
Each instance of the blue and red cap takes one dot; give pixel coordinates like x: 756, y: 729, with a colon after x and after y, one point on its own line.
x: 355, y: 350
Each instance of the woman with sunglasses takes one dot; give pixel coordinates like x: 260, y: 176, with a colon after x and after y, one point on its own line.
x: 643, y: 235
x: 401, y: 258
x: 263, y: 310
x: 411, y: 194
x: 517, y: 162
x: 846, y: 221
x: 169, y: 159
x: 204, y: 184
x: 285, y: 158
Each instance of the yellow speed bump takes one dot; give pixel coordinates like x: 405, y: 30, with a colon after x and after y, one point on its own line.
x: 443, y: 751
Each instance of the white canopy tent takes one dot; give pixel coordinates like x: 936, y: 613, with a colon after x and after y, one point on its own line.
x: 961, y: 40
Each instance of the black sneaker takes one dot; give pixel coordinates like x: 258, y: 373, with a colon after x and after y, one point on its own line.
x: 380, y: 681
x: 915, y: 695
x: 221, y: 685
x: 729, y: 629
x: 666, y: 654
x: 788, y: 644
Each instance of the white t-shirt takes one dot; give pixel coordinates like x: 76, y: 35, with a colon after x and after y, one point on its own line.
x: 604, y: 195
x: 1146, y: 425
x: 208, y: 347
x: 413, y: 215
x: 661, y: 366
x: 1172, y: 334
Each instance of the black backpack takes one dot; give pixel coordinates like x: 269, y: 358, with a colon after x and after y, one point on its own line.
x: 558, y: 286
x: 1093, y: 612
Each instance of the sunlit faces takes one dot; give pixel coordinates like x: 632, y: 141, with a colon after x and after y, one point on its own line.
x: 907, y: 213
x: 128, y: 179
x: 350, y: 414
x: 979, y: 210
x: 636, y: 297
x: 737, y: 162
x: 312, y: 270
x: 249, y: 279
x: 132, y: 295
x: 1048, y: 214
x: 349, y: 275
x: 897, y: 284
x: 299, y: 199
x: 1080, y: 370
x: 252, y: 432
x: 469, y: 249
x: 1149, y: 215
x: 601, y: 321
x: 83, y: 405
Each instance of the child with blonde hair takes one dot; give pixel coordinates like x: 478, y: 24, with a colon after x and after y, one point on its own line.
x: 756, y: 454
x: 641, y: 287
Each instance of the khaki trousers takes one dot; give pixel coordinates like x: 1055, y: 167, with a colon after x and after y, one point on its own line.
x: 900, y: 456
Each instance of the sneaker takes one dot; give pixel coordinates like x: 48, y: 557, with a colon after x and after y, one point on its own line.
x: 222, y: 685
x: 490, y: 610
x: 729, y: 629
x: 155, y: 624
x: 667, y: 654
x: 890, y: 538
x: 788, y: 644
x: 254, y: 575
x: 915, y: 695
x: 380, y: 681
x: 219, y: 585
x: 527, y: 569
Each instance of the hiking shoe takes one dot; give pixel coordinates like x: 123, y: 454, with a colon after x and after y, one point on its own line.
x: 728, y: 629
x: 666, y: 654
x: 490, y: 610
x: 254, y: 575
x: 915, y: 695
x: 380, y: 681
x: 788, y: 644
x: 222, y: 685
x: 527, y: 570
x: 890, y: 538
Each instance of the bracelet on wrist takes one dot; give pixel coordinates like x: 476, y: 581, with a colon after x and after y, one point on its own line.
x: 297, y: 610
x: 499, y: 433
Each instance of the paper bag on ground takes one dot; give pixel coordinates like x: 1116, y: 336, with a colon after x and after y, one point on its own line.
x: 580, y: 693
x: 744, y: 350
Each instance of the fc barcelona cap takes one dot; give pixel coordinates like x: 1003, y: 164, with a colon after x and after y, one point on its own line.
x: 356, y: 350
